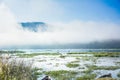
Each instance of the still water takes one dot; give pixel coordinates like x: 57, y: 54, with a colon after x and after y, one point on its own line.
x: 65, y: 50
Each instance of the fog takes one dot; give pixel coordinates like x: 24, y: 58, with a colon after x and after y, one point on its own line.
x: 12, y: 34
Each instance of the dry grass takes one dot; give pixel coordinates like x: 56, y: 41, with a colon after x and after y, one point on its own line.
x: 15, y: 70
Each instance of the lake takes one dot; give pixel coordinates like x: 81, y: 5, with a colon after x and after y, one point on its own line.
x: 64, y: 50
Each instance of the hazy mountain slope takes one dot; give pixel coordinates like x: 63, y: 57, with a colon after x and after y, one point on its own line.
x: 34, y: 26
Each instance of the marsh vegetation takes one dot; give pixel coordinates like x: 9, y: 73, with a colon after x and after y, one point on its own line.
x: 72, y: 66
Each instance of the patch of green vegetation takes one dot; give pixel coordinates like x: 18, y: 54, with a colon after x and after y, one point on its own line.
x: 57, y: 64
x: 27, y: 55
x: 89, y: 70
x: 87, y: 77
x: 62, y: 56
x: 81, y: 67
x: 106, y: 54
x: 86, y: 58
x: 61, y: 74
x: 47, y: 53
x: 93, y: 67
x: 76, y: 61
x: 103, y: 67
x: 117, y: 63
x: 37, y: 73
x: 72, y: 65
x: 78, y: 58
x: 109, y: 68
x: 118, y: 74
x: 37, y: 69
x: 80, y: 54
x: 42, y: 60
x: 100, y: 54
x: 34, y: 54
x: 94, y: 59
x: 15, y: 51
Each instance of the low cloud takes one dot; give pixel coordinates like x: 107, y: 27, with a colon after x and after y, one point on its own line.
x: 12, y: 34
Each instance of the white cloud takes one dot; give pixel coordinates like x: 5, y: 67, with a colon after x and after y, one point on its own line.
x: 78, y: 31
x: 6, y: 19
x: 58, y: 32
x: 35, y: 10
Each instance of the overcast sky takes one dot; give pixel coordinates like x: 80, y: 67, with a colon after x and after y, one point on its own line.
x: 71, y: 21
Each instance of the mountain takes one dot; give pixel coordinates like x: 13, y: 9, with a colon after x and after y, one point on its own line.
x: 34, y: 26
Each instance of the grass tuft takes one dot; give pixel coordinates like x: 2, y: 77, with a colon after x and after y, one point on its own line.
x: 72, y: 65
x: 87, y: 77
x: 15, y: 70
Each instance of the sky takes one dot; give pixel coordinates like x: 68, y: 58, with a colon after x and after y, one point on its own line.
x: 68, y: 21
x: 65, y: 10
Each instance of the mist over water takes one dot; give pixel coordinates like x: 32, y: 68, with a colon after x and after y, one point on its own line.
x: 57, y: 33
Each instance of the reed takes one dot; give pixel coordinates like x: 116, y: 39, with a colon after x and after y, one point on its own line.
x: 16, y: 70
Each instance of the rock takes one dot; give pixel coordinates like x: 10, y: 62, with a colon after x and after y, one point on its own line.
x: 46, y: 78
x: 106, y: 75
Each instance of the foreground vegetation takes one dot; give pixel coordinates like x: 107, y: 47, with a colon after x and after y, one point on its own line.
x: 15, y: 70
x: 18, y: 70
